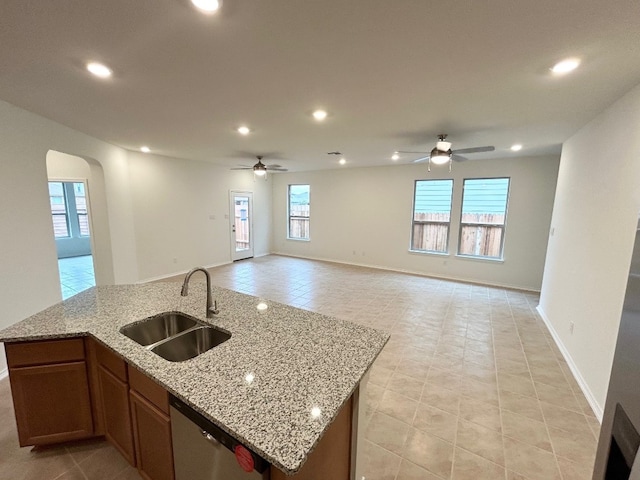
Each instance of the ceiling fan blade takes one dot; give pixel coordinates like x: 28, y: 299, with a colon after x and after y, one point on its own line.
x: 241, y: 168
x: 274, y: 165
x: 422, y: 159
x: 475, y: 149
x: 277, y: 169
x: 458, y: 158
x: 400, y: 151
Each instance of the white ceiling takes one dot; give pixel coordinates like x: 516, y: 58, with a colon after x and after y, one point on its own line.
x: 392, y: 74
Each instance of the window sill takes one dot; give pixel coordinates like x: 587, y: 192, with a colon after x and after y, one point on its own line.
x: 299, y: 239
x: 480, y: 259
x: 427, y: 252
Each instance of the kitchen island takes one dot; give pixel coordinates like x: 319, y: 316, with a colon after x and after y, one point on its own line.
x: 276, y: 385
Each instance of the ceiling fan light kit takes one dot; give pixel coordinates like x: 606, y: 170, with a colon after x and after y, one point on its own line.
x: 442, y: 153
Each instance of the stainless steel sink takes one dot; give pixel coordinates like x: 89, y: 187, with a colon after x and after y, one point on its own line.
x: 175, y: 336
x: 158, y: 328
x: 190, y: 344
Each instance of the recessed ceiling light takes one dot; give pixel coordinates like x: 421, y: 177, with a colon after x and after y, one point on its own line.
x: 342, y: 161
x: 395, y: 157
x: 565, y: 66
x: 207, y: 6
x: 145, y: 149
x: 244, y: 130
x: 99, y: 70
x: 516, y: 148
x: 320, y: 115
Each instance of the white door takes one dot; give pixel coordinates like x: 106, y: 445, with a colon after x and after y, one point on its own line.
x: 241, y: 221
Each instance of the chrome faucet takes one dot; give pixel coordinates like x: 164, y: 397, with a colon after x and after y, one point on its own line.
x: 212, y: 307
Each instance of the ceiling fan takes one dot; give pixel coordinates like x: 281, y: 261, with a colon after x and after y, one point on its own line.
x: 261, y: 169
x: 442, y: 153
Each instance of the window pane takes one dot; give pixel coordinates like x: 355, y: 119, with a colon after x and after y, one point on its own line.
x: 58, y: 209
x: 431, y: 215
x: 81, y: 208
x: 299, y: 211
x: 484, y: 208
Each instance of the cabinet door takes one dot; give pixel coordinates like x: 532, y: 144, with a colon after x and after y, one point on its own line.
x: 117, y: 416
x: 152, y: 431
x: 52, y: 403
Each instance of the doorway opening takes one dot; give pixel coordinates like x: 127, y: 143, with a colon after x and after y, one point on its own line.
x: 70, y: 216
x: 241, y: 215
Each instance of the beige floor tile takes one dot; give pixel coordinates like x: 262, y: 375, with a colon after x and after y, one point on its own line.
x: 482, y: 413
x: 526, y: 430
x: 407, y: 386
x: 105, y: 463
x: 439, y: 397
x: 578, y: 448
x: 485, y: 392
x: 467, y: 466
x: 575, y: 471
x: 387, y: 432
x: 398, y: 406
x: 565, y: 419
x: 507, y: 366
x: 520, y: 384
x: 522, y: 405
x: 380, y: 375
x: 380, y: 464
x: 436, y: 422
x: 429, y: 452
x: 562, y: 397
x: 480, y: 440
x: 531, y: 462
x: 411, y: 471
x: 481, y: 373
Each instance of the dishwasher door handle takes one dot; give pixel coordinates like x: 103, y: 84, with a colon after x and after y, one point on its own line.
x: 210, y: 438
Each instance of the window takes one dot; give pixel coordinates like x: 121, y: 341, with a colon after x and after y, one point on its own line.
x: 484, y: 209
x: 299, y: 212
x: 58, y: 203
x: 431, y: 215
x: 81, y: 208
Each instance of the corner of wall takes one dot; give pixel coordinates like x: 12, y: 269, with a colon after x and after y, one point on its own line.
x: 593, y: 403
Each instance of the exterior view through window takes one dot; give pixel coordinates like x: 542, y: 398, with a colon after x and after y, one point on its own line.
x: 484, y: 210
x: 68, y: 199
x: 299, y: 212
x: 431, y: 215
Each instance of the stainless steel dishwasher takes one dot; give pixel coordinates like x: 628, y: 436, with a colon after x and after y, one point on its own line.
x: 202, y: 451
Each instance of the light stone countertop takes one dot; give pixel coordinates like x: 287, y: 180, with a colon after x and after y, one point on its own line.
x: 298, y: 359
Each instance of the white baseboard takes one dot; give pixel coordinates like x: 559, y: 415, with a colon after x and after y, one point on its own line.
x: 411, y: 272
x: 4, y: 373
x: 597, y: 409
x: 181, y: 272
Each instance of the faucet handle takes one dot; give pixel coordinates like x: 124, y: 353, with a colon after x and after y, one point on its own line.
x: 214, y: 309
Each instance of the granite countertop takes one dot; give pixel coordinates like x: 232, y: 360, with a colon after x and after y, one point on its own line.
x: 260, y: 385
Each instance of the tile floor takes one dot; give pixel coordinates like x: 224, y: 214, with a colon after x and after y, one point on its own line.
x: 470, y: 385
x: 76, y: 275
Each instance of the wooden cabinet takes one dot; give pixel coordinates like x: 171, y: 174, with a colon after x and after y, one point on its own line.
x: 152, y: 433
x: 50, y: 391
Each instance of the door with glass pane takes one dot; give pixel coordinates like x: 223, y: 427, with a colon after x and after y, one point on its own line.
x: 241, y: 221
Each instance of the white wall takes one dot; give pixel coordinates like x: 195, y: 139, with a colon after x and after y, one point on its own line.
x: 594, y: 218
x: 28, y: 263
x: 173, y: 202
x: 61, y: 166
x: 368, y: 211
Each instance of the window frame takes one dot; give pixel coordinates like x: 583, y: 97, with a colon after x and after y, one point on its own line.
x: 502, y: 227
x: 64, y: 214
x: 298, y: 217
x: 427, y: 222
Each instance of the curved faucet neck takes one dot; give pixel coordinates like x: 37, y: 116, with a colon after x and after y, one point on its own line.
x: 185, y: 288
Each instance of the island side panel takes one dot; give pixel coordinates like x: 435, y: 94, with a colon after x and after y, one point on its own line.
x: 332, y: 456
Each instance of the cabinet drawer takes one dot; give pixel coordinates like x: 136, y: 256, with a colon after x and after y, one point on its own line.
x: 111, y: 361
x: 149, y: 389
x: 23, y: 354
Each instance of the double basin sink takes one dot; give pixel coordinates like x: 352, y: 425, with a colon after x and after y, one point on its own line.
x: 175, y: 336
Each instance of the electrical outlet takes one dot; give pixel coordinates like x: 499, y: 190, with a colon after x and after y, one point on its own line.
x: 175, y: 260
x: 571, y: 325
x: 212, y: 217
